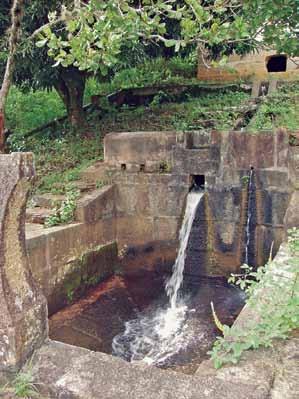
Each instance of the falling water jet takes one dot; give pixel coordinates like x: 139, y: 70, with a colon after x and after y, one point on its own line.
x: 154, y: 337
x: 249, y: 214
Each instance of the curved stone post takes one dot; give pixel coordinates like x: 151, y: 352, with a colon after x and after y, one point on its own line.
x: 23, y: 309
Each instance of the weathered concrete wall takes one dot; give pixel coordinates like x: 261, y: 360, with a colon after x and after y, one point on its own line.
x: 136, y: 151
x: 250, y: 66
x: 23, y: 321
x: 55, y: 253
x: 150, y: 204
x: 143, y: 207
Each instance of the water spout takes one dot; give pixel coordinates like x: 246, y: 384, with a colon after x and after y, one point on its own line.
x: 156, y: 336
x: 174, y: 283
x: 249, y: 214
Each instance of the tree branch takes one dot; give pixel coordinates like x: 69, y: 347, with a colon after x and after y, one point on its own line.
x: 17, y: 11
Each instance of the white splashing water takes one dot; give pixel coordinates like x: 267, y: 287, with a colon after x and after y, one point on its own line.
x: 155, y: 336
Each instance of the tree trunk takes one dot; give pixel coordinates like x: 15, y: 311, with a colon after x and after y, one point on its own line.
x: 70, y: 86
x: 17, y: 11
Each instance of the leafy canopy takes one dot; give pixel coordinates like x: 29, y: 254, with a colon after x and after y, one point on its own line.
x: 91, y: 35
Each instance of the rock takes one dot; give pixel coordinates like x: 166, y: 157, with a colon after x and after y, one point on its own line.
x: 286, y: 383
x: 47, y: 200
x: 23, y: 322
x: 69, y: 372
x: 38, y: 215
x: 292, y: 214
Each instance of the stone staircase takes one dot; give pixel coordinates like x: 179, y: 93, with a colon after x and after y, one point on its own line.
x: 43, y: 206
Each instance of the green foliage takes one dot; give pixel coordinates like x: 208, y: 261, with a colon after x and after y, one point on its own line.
x: 165, y: 167
x: 96, y: 32
x: 245, y: 180
x: 156, y: 72
x: 100, y: 184
x: 277, y: 111
x: 22, y: 386
x: 66, y: 211
x: 29, y: 110
x: 60, y: 160
x: 273, y: 295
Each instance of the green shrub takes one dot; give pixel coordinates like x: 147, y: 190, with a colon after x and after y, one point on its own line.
x: 64, y: 213
x: 27, y: 111
x: 273, y: 295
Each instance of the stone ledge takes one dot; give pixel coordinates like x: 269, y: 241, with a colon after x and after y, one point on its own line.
x: 68, y: 372
x: 97, y: 205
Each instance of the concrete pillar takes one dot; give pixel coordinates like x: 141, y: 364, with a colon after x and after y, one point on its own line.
x: 23, y: 309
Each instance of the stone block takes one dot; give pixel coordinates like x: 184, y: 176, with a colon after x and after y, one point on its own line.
x: 90, y: 268
x: 95, y: 173
x: 282, y: 148
x: 36, y: 245
x: 154, y: 256
x: 133, y: 199
x: 225, y: 205
x: 38, y: 215
x: 197, y: 139
x: 98, y: 204
x: 47, y: 200
x: 292, y: 213
x: 23, y: 322
x: 244, y: 150
x: 166, y: 228
x: 271, y: 179
x: 138, y: 147
x: 134, y: 230
x: 265, y: 239
x: 166, y: 200
x: 294, y: 166
x: 196, y: 161
x: 271, y: 207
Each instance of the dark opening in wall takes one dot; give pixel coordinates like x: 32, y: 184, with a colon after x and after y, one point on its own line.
x: 142, y: 167
x: 123, y: 166
x: 198, y: 182
x: 277, y: 63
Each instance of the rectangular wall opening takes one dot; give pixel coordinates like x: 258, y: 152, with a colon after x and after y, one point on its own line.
x: 277, y: 63
x: 197, y: 182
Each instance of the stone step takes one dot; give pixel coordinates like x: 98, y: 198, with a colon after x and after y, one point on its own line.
x: 84, y: 186
x: 51, y: 201
x: 38, y: 215
x: 95, y: 173
x: 96, y: 205
x: 47, y: 200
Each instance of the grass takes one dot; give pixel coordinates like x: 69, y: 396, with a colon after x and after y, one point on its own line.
x: 61, y: 154
x: 27, y: 111
x: 22, y: 386
x: 188, y: 115
x: 281, y: 109
x: 59, y: 161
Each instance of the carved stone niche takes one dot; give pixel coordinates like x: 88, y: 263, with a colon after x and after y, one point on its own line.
x: 23, y: 309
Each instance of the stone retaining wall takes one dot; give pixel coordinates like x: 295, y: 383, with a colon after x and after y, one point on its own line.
x: 153, y: 172
x: 56, y: 253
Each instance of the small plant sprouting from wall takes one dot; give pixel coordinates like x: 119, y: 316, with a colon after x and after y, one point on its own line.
x: 273, y: 295
x: 245, y: 180
x: 22, y: 386
x: 164, y: 167
x: 64, y: 213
